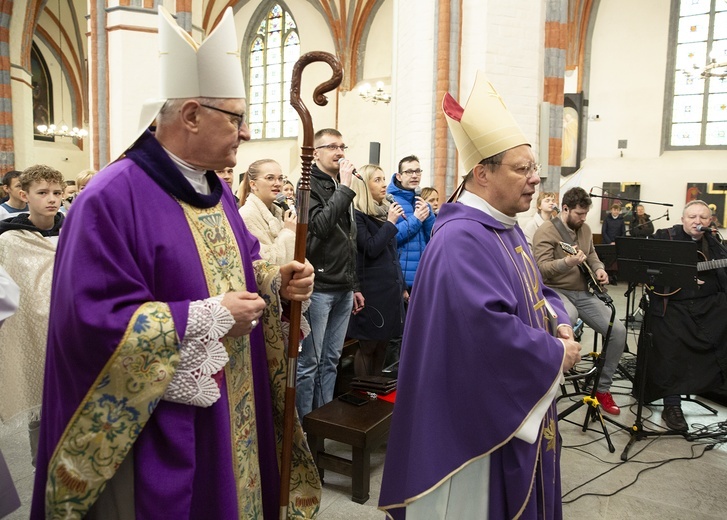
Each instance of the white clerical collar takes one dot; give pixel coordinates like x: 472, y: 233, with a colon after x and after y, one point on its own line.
x: 474, y: 201
x: 195, y: 176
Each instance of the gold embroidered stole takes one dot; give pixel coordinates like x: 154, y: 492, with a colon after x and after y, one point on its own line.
x: 224, y: 272
x: 103, y: 429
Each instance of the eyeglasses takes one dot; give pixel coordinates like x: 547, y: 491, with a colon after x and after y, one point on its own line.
x: 237, y: 119
x: 526, y: 170
x: 418, y: 171
x: 273, y: 179
x: 333, y: 147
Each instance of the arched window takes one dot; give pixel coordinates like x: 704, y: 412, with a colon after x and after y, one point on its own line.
x: 42, y: 92
x: 697, y: 117
x: 274, y: 49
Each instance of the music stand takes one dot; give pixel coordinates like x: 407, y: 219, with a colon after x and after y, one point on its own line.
x: 653, y: 262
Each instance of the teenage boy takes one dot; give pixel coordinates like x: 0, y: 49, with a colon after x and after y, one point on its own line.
x: 14, y: 205
x: 27, y: 251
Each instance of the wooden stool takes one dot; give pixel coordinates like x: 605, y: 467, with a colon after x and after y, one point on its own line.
x: 364, y: 428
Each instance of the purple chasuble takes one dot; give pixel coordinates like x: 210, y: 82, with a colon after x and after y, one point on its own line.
x: 126, y: 242
x: 475, y: 360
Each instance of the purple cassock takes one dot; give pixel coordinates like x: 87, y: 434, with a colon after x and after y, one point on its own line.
x: 126, y: 243
x: 475, y: 361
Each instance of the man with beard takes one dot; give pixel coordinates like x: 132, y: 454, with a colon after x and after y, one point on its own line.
x: 562, y: 273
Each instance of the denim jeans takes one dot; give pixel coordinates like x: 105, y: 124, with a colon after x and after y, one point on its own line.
x: 328, y: 316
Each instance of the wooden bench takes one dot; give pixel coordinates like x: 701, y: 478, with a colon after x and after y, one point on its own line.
x: 363, y: 428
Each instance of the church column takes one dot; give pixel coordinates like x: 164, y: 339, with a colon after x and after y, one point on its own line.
x: 7, y: 149
x: 123, y: 74
x: 556, y: 19
x: 449, y: 39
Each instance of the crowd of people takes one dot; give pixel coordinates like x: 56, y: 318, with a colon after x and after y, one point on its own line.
x: 160, y: 349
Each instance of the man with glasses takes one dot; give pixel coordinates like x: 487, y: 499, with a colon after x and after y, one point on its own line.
x: 415, y: 225
x: 331, y: 248
x: 165, y: 359
x: 479, y: 371
x: 562, y: 273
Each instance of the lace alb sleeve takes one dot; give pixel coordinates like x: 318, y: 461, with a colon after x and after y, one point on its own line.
x: 202, y: 354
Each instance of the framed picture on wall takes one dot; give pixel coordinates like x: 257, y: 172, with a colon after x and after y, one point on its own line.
x: 714, y: 194
x: 624, y: 192
x: 570, y: 160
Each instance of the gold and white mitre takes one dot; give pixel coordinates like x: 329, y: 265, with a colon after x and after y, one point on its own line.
x: 484, y: 127
x: 188, y: 70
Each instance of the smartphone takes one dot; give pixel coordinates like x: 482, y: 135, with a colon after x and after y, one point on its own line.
x: 353, y: 399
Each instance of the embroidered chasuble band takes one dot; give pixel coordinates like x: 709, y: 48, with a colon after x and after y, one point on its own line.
x: 104, y: 427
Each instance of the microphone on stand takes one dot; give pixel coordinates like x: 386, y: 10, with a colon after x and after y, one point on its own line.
x: 556, y: 209
x: 667, y: 215
x: 705, y: 229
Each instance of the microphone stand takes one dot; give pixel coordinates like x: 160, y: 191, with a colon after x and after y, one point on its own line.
x: 665, y: 215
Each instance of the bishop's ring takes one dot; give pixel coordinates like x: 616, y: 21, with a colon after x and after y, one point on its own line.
x: 253, y: 323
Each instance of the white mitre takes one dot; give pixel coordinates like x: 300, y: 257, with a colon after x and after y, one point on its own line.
x: 484, y: 127
x: 188, y: 70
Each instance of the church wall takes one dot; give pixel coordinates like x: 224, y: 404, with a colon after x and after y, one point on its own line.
x: 628, y: 71
x: 414, y: 81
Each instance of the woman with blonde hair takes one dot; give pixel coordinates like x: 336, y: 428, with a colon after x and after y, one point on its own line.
x: 378, y: 269
x: 83, y: 178
x: 273, y: 227
x: 547, y: 207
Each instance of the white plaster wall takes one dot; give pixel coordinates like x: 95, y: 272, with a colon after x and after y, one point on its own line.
x: 414, y: 80
x: 132, y: 72
x: 627, y: 81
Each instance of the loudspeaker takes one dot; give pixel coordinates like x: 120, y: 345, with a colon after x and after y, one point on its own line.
x: 374, y: 152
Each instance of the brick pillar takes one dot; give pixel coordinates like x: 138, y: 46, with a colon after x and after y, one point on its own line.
x: 556, y: 26
x: 7, y: 147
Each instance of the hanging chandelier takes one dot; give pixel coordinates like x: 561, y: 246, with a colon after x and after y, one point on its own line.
x: 378, y: 95
x: 61, y: 129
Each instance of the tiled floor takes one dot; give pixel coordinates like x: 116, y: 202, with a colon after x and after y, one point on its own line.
x: 666, y: 477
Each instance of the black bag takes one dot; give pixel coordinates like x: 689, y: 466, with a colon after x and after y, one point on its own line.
x: 377, y: 384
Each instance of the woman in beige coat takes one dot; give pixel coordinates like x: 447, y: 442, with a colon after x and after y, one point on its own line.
x: 273, y: 226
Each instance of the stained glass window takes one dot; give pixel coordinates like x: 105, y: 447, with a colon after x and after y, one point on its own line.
x: 699, y: 109
x: 274, y: 50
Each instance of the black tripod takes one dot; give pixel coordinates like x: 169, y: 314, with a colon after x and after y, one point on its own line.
x: 654, y: 262
x: 594, y: 407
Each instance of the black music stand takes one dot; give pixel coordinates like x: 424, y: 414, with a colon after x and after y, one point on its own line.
x: 653, y: 262
x: 594, y: 413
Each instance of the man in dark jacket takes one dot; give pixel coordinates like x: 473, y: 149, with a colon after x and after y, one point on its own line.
x: 641, y: 225
x: 689, y: 333
x: 331, y: 248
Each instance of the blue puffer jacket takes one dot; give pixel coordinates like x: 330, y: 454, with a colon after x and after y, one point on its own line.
x: 413, y: 234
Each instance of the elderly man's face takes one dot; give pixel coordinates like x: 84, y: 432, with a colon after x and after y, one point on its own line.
x: 220, y: 135
x: 511, y: 185
x: 693, y: 216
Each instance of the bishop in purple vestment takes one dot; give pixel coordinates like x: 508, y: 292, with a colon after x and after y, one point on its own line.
x: 474, y: 430
x: 165, y: 369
